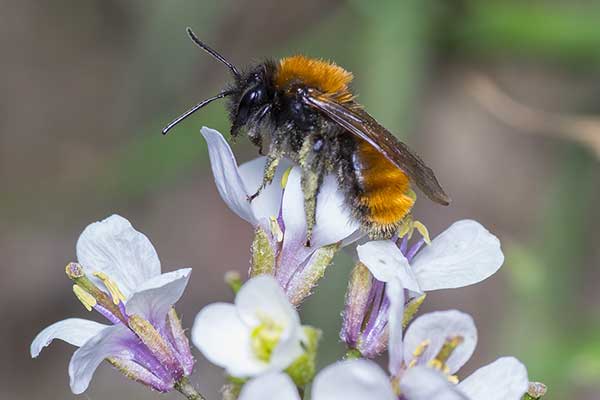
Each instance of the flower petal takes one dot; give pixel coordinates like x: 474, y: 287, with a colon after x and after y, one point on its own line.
x: 270, y: 386
x: 386, y: 262
x: 268, y: 202
x: 395, y: 294
x: 227, y: 176
x: 437, y: 327
x: 352, y: 380
x: 504, y: 379
x: 224, y: 340
x: 464, y: 254
x: 75, y: 331
x: 110, y: 341
x: 263, y: 297
x: 423, y: 383
x: 154, y: 298
x: 114, y: 247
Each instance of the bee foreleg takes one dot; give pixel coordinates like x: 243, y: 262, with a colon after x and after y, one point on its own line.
x: 269, y: 172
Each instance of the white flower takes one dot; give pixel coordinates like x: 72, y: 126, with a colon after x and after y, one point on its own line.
x: 279, y: 212
x: 125, y: 285
x: 261, y: 332
x: 462, y: 255
x: 423, y: 364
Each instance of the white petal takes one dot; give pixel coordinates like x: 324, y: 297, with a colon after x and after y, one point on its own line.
x: 352, y: 380
x: 223, y: 338
x: 423, y: 383
x: 75, y: 331
x: 395, y: 294
x: 268, y: 202
x: 227, y: 176
x: 333, y: 222
x: 386, y: 262
x: 437, y: 327
x: 270, y: 386
x: 154, y: 298
x: 262, y: 296
x: 111, y: 341
x: 464, y: 254
x: 504, y: 379
x: 112, y: 246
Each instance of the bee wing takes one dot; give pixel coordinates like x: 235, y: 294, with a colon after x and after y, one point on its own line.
x: 360, y: 123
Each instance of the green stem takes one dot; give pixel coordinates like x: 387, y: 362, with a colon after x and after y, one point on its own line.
x: 185, y: 388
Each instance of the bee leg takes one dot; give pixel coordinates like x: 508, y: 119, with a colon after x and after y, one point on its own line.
x: 310, y: 180
x: 269, y: 173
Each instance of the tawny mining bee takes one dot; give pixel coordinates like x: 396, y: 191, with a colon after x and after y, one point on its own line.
x: 303, y: 109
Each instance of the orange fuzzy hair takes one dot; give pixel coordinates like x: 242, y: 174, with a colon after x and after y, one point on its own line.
x: 327, y: 77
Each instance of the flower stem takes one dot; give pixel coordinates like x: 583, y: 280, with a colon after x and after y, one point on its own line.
x: 184, y: 387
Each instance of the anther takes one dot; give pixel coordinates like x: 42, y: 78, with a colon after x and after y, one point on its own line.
x: 115, y: 293
x: 84, y: 297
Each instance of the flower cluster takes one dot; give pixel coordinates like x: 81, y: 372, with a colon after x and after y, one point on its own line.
x: 259, y: 339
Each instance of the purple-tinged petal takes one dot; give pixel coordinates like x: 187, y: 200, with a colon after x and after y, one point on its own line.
x: 357, y: 304
x: 179, y: 342
x: 386, y: 262
x: 75, y: 331
x: 436, y: 328
x: 229, y: 182
x: 112, y: 341
x: 140, y: 374
x: 395, y: 295
x: 504, y: 379
x: 114, y: 247
x: 156, y: 296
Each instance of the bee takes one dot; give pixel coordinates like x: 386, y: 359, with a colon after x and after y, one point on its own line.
x: 303, y: 109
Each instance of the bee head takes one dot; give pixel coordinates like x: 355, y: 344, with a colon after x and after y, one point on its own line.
x: 251, y: 99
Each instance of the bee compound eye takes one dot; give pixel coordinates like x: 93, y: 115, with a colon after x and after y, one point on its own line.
x: 250, y: 99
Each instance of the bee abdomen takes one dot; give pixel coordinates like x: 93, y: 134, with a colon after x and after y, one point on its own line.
x: 384, y: 197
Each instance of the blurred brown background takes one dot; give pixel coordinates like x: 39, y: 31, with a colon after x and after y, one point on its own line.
x: 501, y: 98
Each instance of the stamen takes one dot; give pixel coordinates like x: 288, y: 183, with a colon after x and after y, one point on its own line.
x: 439, y: 362
x: 84, y: 297
x: 284, y: 178
x: 422, y: 229
x: 418, y: 352
x: 92, y: 297
x: 276, y: 229
x: 115, y: 293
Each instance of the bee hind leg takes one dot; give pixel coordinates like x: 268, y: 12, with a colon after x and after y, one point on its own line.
x: 273, y: 159
x: 310, y: 180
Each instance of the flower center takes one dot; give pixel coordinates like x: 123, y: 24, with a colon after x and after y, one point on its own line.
x: 264, y: 338
x: 111, y: 305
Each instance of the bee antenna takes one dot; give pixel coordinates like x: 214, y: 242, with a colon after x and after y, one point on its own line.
x: 212, y: 52
x: 193, y: 110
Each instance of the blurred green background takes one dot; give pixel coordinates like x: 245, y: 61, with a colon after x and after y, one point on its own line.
x: 500, y: 97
